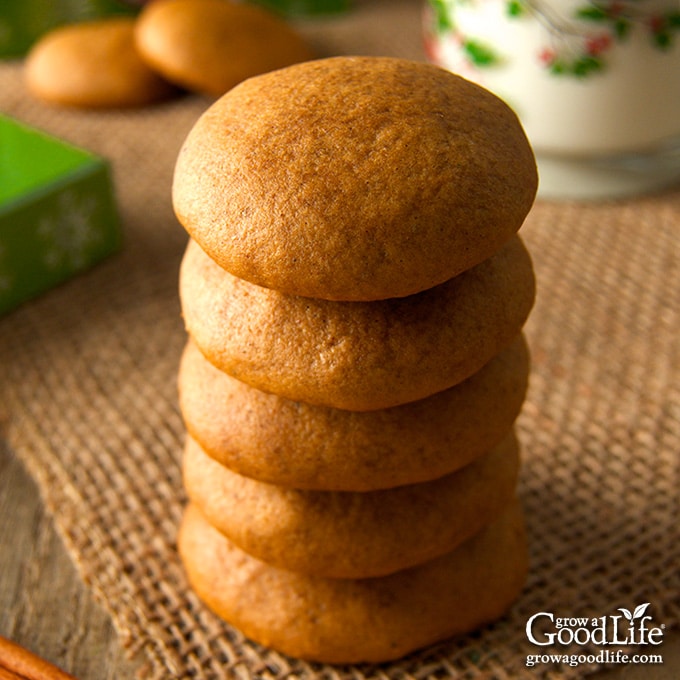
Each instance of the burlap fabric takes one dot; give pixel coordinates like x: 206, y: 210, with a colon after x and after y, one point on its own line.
x: 88, y: 401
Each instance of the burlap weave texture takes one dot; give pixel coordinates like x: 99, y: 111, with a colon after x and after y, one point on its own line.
x: 88, y: 401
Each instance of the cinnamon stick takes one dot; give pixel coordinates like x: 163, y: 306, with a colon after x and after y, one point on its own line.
x: 8, y: 675
x: 18, y: 663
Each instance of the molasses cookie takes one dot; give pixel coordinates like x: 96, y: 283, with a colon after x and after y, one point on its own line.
x: 358, y: 356
x: 276, y: 440
x: 93, y: 65
x: 209, y: 46
x: 354, y: 178
x: 355, y: 620
x: 344, y: 534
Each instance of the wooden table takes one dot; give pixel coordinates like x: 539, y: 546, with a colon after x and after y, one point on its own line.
x: 44, y: 605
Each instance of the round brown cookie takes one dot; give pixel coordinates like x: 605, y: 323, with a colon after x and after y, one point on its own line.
x: 350, y: 621
x: 358, y: 356
x: 300, y: 445
x: 93, y: 65
x: 211, y: 45
x: 349, y: 534
x: 354, y: 178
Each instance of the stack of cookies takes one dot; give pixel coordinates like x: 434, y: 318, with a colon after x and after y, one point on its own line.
x: 354, y: 291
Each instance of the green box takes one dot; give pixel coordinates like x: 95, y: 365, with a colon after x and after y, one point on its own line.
x: 58, y: 215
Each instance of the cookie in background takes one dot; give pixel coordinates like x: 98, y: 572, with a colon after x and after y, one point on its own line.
x: 209, y: 46
x: 93, y: 64
x: 203, y: 46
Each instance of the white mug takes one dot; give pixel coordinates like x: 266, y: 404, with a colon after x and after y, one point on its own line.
x: 596, y: 83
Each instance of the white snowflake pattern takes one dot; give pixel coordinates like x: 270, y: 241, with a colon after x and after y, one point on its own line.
x: 70, y: 232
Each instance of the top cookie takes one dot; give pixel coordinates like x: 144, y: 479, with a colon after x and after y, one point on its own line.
x: 354, y: 178
x: 211, y: 45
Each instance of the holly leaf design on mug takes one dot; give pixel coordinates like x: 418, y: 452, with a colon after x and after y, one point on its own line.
x: 481, y: 54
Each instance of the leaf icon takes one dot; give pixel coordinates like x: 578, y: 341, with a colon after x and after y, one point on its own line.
x: 640, y: 610
x: 626, y: 613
